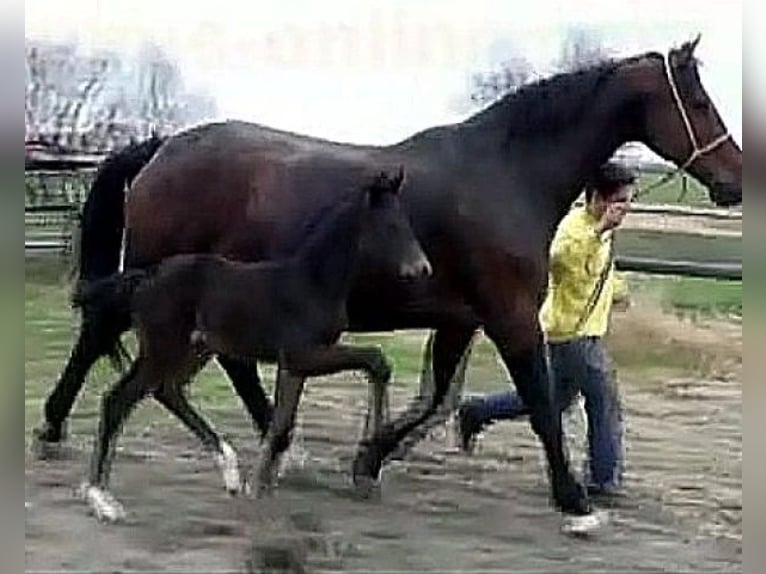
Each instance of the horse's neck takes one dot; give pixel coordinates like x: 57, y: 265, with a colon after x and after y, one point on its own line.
x: 551, y: 168
x: 329, y: 256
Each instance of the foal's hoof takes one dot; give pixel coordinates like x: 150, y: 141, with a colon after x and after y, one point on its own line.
x: 102, y: 503
x: 228, y: 463
x: 366, y: 472
x: 585, y: 524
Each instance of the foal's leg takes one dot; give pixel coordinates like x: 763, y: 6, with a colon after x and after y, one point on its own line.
x: 337, y: 358
x: 289, y: 388
x: 171, y: 396
x: 294, y: 369
x: 116, y: 406
x: 247, y: 384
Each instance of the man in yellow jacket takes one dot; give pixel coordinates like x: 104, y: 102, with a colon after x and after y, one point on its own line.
x: 575, y: 317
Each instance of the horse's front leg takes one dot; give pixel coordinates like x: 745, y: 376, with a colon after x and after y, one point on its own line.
x: 515, y: 330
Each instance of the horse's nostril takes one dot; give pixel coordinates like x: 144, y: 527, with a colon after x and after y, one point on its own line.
x: 426, y: 269
x: 419, y: 268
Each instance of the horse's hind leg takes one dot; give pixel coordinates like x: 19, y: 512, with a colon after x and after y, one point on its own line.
x: 171, y: 396
x: 449, y: 351
x: 116, y: 406
x: 95, y: 340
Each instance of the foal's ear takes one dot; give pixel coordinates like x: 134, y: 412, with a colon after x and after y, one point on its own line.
x: 396, y: 183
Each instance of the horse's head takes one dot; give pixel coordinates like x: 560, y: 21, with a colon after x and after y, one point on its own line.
x: 388, y: 243
x: 682, y: 124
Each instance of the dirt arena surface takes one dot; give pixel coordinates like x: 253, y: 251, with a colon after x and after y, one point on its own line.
x: 440, y: 511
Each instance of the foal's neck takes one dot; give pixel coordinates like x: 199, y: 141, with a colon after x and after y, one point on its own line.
x: 328, y: 258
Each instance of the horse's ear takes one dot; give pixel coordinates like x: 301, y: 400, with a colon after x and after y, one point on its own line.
x: 694, y: 43
x: 686, y: 52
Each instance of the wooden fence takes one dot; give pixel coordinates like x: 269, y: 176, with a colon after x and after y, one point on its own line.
x: 50, y: 224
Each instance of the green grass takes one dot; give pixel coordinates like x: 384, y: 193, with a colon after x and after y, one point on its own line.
x: 51, y: 325
x: 690, y: 295
x: 672, y: 192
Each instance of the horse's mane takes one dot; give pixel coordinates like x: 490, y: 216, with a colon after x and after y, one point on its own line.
x: 546, y: 104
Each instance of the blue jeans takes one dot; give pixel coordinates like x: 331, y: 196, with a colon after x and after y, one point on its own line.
x: 578, y: 366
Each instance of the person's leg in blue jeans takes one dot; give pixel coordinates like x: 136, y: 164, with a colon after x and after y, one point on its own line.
x: 605, y: 428
x: 477, y: 413
x: 580, y: 365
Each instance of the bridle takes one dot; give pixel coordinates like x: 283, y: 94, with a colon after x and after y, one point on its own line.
x: 697, y: 151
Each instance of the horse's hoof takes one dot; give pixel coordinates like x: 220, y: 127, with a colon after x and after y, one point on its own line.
x: 102, y: 503
x: 47, y: 432
x: 366, y: 473
x: 585, y: 524
x: 365, y: 486
x: 47, y: 441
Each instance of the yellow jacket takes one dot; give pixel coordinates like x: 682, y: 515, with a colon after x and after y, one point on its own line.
x: 578, y: 255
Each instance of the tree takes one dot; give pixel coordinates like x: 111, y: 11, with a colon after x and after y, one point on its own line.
x: 580, y: 48
x: 62, y: 90
x: 512, y: 74
x: 103, y: 101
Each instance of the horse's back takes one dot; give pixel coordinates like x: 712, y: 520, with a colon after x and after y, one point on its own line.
x: 235, y: 188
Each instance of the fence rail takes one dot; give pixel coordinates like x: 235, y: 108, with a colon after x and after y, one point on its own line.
x: 684, y: 211
x: 650, y: 265
x: 60, y: 244
x: 49, y: 226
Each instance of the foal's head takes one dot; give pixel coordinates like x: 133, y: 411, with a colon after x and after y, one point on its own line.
x: 388, y: 243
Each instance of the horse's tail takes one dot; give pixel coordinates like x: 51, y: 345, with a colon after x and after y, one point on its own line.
x: 99, y: 241
x: 102, y: 221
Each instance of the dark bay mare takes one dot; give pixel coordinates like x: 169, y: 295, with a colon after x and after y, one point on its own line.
x: 484, y: 197
x: 291, y: 311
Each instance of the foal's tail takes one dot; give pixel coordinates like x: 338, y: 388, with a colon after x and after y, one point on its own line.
x: 110, y: 297
x: 113, y: 294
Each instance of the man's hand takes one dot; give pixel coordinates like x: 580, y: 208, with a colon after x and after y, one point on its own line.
x: 613, y: 216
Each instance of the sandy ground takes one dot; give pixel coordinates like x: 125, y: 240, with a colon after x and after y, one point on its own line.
x: 439, y: 511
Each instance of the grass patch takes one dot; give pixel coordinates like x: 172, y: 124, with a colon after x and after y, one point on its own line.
x: 646, y: 341
x: 689, y: 296
x: 672, y: 192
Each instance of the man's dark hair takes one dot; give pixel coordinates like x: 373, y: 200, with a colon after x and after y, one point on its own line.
x: 610, y: 177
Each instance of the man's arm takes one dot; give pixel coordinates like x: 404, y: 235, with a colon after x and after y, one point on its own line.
x: 572, y: 249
